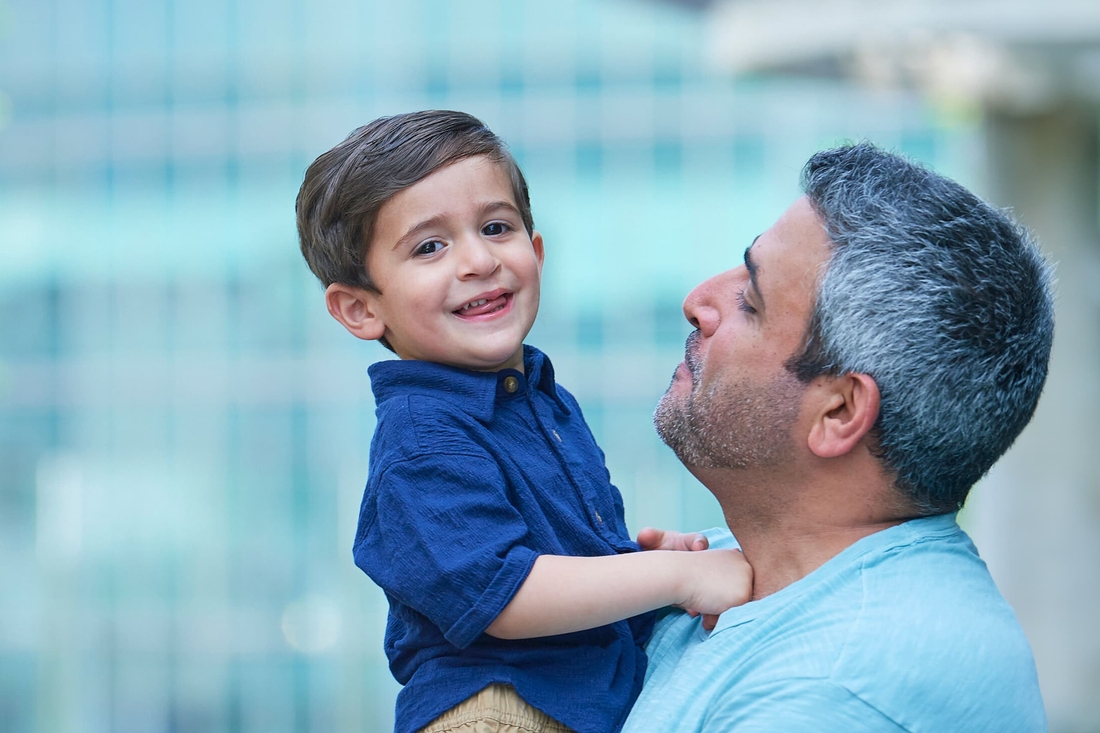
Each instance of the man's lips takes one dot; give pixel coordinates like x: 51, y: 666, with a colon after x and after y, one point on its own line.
x: 485, y: 304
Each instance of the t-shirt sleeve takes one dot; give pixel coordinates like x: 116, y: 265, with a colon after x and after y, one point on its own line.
x: 819, y: 705
x: 438, y: 533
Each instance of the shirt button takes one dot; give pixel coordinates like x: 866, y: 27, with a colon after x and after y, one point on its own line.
x: 555, y: 432
x: 511, y: 384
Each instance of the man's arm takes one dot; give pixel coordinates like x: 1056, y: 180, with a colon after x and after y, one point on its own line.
x: 564, y: 594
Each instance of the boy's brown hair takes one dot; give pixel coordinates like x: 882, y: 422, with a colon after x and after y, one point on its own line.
x: 346, y: 187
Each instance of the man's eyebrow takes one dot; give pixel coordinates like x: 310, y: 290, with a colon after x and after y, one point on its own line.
x: 750, y: 265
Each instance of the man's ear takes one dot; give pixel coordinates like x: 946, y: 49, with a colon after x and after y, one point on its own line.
x: 849, y: 411
x: 356, y: 309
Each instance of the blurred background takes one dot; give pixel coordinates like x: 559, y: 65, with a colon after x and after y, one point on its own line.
x: 184, y: 429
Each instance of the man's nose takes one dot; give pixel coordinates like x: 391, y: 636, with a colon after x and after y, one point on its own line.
x: 476, y: 259
x: 701, y: 306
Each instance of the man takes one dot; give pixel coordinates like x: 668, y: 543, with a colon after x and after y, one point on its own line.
x: 883, y: 344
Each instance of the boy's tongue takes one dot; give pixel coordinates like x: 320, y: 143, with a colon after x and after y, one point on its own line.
x: 487, y: 307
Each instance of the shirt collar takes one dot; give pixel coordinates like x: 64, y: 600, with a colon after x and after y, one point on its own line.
x: 476, y: 392
x: 912, y: 532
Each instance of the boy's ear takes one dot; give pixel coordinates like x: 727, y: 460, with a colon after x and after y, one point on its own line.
x: 846, y: 414
x: 536, y: 242
x: 355, y: 309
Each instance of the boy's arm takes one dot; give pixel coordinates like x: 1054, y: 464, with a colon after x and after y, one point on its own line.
x: 563, y: 594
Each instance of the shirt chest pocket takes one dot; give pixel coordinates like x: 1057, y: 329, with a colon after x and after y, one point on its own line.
x: 556, y: 501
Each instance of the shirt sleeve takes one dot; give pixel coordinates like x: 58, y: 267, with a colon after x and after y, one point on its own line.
x: 438, y: 533
x: 814, y: 704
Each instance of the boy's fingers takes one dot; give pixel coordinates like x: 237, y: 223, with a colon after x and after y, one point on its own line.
x: 686, y: 541
x: 696, y: 541
x: 650, y: 538
x: 710, y: 620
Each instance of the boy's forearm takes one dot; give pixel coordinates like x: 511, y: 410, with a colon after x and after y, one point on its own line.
x: 563, y: 594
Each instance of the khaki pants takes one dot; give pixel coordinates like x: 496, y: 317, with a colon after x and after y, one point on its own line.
x: 496, y: 709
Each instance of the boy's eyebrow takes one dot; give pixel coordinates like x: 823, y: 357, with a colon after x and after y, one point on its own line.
x: 438, y: 219
x: 502, y: 204
x: 751, y: 266
x: 429, y: 223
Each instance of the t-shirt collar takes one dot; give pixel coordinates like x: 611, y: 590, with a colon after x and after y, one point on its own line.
x: 899, y: 535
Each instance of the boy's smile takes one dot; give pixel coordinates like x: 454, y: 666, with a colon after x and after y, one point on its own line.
x: 458, y: 273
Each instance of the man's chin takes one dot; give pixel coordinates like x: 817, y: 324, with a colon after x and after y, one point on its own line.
x: 673, y: 425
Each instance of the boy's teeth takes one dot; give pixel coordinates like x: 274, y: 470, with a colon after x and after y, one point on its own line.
x: 474, y: 304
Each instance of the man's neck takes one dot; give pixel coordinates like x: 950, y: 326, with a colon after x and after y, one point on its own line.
x: 788, y: 527
x: 782, y: 557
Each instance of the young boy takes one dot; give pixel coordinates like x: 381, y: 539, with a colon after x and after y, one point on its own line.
x: 516, y: 595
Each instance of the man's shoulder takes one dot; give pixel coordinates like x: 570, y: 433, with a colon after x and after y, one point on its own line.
x: 909, y: 623
x: 931, y: 616
x: 915, y: 597
x: 936, y: 584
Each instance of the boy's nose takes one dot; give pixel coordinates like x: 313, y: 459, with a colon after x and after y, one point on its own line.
x: 477, y: 259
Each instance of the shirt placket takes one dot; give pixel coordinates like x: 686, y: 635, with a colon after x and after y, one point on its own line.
x: 543, y: 413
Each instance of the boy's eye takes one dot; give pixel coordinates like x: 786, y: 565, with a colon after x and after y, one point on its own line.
x: 494, y: 229
x: 429, y: 248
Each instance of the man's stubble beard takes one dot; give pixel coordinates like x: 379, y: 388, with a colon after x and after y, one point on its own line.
x: 740, y: 425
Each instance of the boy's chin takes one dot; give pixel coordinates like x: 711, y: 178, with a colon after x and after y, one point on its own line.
x: 495, y: 360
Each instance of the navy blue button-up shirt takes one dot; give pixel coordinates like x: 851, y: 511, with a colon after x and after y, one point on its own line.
x: 473, y: 475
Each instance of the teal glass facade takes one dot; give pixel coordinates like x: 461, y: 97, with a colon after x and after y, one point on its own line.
x: 184, y: 429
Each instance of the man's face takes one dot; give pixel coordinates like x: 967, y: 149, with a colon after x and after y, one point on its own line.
x: 732, y: 403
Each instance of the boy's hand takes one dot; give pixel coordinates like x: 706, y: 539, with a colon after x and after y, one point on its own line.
x: 651, y: 538
x: 715, y: 581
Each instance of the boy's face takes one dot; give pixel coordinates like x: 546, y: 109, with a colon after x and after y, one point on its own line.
x: 458, y: 273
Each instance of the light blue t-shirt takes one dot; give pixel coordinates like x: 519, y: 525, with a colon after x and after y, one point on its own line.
x: 902, y: 631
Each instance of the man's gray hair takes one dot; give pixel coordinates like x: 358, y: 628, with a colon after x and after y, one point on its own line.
x: 944, y: 300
